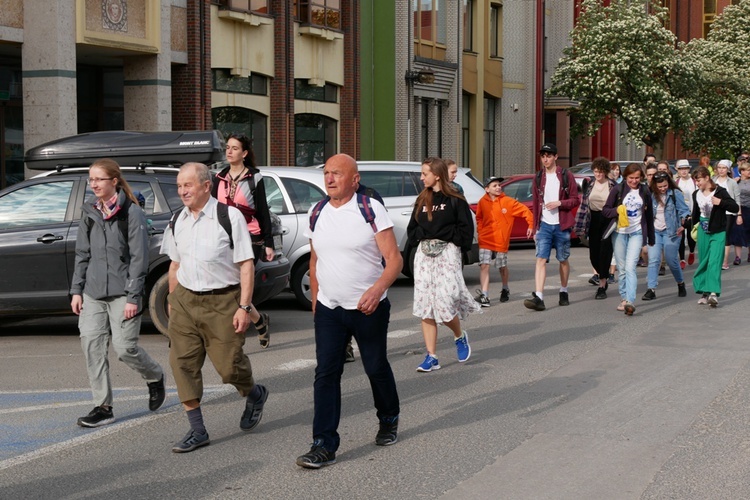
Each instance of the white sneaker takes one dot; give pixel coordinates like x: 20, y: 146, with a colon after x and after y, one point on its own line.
x: 713, y: 300
x: 703, y: 300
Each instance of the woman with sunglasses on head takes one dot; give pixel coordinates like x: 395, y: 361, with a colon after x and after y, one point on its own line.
x: 710, y: 206
x: 241, y: 185
x: 630, y: 208
x: 723, y: 178
x: 669, y: 211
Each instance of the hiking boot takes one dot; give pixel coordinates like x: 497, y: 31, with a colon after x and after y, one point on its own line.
x: 463, y: 349
x: 430, y: 363
x: 649, y: 295
x: 156, y: 394
x: 534, y: 303
x: 504, y: 295
x: 563, y: 299
x: 97, y: 417
x: 483, y: 300
x: 191, y: 441
x: 611, y: 279
x: 662, y: 271
x: 264, y: 336
x: 253, y: 410
x: 681, y: 292
x: 594, y: 280
x: 629, y: 308
x: 601, y: 293
x: 713, y: 300
x: 387, y: 433
x: 317, y: 457
x: 349, y: 353
x: 703, y: 300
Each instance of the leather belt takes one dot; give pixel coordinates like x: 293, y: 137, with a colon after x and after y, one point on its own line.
x: 217, y: 291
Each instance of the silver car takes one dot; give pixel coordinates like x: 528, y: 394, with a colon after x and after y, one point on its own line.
x: 291, y: 191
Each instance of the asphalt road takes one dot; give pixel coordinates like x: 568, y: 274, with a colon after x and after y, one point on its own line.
x: 573, y: 402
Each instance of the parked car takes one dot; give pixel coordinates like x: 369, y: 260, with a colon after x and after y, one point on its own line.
x: 291, y: 191
x: 520, y: 187
x: 585, y: 167
x: 39, y: 221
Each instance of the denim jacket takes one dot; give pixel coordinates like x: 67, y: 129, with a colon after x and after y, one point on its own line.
x: 675, y: 210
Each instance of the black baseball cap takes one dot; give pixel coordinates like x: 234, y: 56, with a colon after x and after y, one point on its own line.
x: 548, y: 148
x: 490, y: 180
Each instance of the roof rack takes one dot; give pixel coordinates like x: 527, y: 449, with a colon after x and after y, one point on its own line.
x: 128, y: 148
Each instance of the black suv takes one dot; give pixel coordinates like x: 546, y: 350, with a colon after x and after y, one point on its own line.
x: 39, y: 221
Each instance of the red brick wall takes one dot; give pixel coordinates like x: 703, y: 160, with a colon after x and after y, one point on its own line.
x: 349, y: 99
x: 281, y: 121
x: 191, y: 83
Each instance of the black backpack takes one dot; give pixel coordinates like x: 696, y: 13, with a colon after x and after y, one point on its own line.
x: 222, y: 213
x: 122, y: 219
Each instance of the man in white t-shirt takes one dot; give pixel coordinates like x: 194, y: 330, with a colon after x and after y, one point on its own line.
x: 349, y: 285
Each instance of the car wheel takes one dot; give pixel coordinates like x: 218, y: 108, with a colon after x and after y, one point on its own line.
x: 157, y: 304
x: 300, y: 284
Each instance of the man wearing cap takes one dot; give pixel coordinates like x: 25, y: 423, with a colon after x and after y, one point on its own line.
x: 555, y: 198
x: 496, y: 214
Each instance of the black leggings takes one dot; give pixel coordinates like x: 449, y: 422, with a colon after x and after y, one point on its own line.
x: 600, y: 251
x: 690, y: 240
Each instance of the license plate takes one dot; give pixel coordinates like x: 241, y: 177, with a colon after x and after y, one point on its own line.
x: 277, y: 242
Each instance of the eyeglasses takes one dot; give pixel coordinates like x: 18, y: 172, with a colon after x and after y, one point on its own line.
x: 96, y: 180
x: 742, y: 158
x: 660, y: 176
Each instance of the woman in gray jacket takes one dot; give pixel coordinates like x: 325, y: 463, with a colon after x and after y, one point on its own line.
x: 108, y: 288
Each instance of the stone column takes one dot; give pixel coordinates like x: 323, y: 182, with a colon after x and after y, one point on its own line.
x: 148, y: 84
x: 49, y: 71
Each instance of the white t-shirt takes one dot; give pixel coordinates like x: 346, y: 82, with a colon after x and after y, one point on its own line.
x: 705, y: 203
x: 551, y: 193
x: 349, y: 260
x: 634, y: 206
x: 687, y: 186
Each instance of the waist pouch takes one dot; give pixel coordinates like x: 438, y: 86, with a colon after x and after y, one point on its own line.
x: 432, y: 248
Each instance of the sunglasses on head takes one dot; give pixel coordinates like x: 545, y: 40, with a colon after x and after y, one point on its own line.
x: 660, y: 176
x: 742, y: 158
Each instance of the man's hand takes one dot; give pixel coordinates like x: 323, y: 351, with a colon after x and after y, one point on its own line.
x: 552, y: 205
x: 529, y: 233
x: 130, y: 310
x: 241, y: 321
x: 76, y: 303
x: 369, y: 301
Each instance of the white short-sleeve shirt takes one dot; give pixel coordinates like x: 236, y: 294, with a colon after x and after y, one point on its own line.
x: 551, y: 193
x: 349, y: 260
x: 201, y: 246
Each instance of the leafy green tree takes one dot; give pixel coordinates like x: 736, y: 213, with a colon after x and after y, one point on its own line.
x: 723, y: 95
x: 623, y: 63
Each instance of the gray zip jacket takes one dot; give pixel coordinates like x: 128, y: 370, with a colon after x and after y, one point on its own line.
x: 103, y: 267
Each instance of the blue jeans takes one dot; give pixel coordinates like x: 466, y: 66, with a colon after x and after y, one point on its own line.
x: 333, y: 328
x: 671, y: 248
x: 550, y: 235
x: 627, y: 252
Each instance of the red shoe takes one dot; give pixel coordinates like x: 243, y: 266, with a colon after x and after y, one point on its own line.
x: 691, y: 258
x: 682, y: 264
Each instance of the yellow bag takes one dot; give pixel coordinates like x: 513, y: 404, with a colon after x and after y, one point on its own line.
x: 622, y: 219
x: 694, y: 232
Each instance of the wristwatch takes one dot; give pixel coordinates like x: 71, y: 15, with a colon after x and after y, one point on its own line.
x: 247, y: 309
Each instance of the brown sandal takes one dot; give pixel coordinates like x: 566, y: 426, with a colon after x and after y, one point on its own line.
x: 264, y: 336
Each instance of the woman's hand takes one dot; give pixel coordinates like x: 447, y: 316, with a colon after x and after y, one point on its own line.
x: 270, y: 254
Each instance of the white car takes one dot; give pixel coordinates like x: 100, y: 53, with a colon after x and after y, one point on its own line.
x: 291, y: 191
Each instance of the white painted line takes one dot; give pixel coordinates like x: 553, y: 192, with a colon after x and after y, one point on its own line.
x: 88, y: 389
x: 297, y: 364
x: 398, y: 334
x: 105, y: 431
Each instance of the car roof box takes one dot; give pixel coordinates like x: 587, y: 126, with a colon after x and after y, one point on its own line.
x: 128, y: 148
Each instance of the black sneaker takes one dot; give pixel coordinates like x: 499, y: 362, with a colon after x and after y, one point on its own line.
x: 681, y: 292
x: 156, y: 394
x: 388, y: 433
x: 254, y: 410
x: 504, y: 295
x: 649, y: 295
x: 349, y: 353
x: 601, y: 293
x: 191, y: 441
x: 317, y: 457
x: 611, y: 279
x: 594, y: 280
x: 534, y: 303
x: 483, y: 300
x: 564, y: 299
x: 97, y: 417
x: 662, y: 271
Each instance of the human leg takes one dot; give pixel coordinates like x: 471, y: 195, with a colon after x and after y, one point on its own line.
x: 125, y: 333
x: 633, y: 251
x: 620, y: 254
x: 654, y: 260
x: 671, y: 254
x: 484, y: 277
x: 93, y: 324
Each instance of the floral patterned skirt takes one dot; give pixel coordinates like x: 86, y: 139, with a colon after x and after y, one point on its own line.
x: 440, y: 292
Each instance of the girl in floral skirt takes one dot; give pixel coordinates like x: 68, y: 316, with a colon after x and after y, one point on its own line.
x: 440, y: 228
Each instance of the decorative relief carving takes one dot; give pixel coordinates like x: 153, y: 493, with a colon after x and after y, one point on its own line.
x: 115, y: 15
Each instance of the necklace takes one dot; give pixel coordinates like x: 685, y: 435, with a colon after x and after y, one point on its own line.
x: 235, y: 179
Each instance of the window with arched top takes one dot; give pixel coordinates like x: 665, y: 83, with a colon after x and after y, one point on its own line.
x: 237, y: 120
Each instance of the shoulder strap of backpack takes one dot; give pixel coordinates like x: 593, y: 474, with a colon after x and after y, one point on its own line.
x: 122, y: 222
x: 565, y: 181
x: 316, y: 212
x: 365, y: 207
x: 222, y: 213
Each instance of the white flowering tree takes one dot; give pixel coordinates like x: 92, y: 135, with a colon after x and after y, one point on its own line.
x: 723, y: 97
x: 623, y: 63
